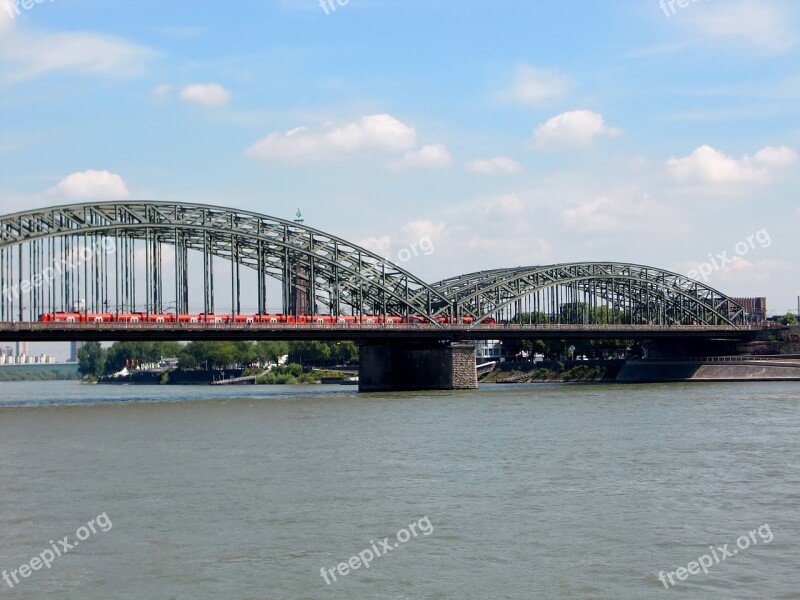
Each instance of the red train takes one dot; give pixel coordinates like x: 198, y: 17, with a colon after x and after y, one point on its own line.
x: 73, y: 317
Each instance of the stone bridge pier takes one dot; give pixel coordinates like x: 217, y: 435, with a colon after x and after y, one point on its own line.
x: 397, y: 366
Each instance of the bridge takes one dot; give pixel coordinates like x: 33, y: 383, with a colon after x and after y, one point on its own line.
x: 161, y: 270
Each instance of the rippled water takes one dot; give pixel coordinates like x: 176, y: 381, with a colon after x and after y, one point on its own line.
x: 532, y: 491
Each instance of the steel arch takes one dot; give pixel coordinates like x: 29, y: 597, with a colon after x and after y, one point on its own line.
x: 325, y: 268
x: 676, y: 298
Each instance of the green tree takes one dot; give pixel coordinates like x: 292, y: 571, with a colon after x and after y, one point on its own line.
x: 213, y: 355
x: 91, y: 359
x: 312, y: 351
x: 344, y: 353
x: 270, y: 352
x: 244, y: 353
x: 788, y: 319
x: 122, y: 353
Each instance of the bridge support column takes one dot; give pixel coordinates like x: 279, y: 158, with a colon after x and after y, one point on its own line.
x: 409, y: 366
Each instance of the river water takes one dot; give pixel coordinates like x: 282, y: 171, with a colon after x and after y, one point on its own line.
x: 540, y: 491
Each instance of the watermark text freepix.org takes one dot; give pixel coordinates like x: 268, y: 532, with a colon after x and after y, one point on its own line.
x: 384, y: 546
x: 85, y: 254
x: 718, y: 554
x: 718, y: 261
x: 669, y: 6
x: 330, y: 5
x: 57, y: 549
x: 12, y: 7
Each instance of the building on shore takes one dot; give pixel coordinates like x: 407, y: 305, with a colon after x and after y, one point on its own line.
x: 755, y: 308
x: 73, y: 351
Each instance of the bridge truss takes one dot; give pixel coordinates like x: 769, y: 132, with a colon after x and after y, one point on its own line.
x: 113, y: 257
x: 589, y: 293
x: 157, y: 257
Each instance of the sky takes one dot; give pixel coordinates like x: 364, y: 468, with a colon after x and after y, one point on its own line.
x: 497, y: 134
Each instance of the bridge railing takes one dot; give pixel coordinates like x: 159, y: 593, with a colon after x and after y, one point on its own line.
x: 533, y: 328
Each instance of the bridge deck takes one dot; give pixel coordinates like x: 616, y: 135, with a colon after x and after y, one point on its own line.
x: 54, y: 332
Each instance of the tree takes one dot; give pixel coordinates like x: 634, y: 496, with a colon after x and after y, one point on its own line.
x: 91, y: 359
x: 788, y: 319
x: 344, y: 353
x: 270, y: 352
x: 122, y: 353
x: 214, y: 355
x: 309, y: 352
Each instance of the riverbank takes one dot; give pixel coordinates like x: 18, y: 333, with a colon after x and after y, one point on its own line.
x: 732, y: 369
x: 54, y: 372
x: 286, y: 375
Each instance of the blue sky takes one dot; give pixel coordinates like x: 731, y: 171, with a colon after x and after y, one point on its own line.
x: 507, y: 132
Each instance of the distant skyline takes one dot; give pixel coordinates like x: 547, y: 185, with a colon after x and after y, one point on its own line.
x: 503, y: 133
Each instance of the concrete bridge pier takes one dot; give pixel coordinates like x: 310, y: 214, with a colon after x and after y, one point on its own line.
x: 396, y: 366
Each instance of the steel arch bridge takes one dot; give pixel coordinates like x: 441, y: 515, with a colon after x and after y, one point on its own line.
x: 589, y: 293
x: 136, y: 256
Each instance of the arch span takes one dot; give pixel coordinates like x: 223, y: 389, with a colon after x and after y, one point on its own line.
x: 317, y: 271
x: 596, y: 292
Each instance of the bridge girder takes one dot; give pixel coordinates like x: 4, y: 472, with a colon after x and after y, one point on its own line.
x: 335, y: 273
x: 331, y: 270
x: 674, y: 298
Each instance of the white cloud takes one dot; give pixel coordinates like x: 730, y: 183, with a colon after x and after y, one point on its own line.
x: 431, y: 156
x: 414, y: 239
x: 28, y: 55
x: 507, y: 205
x: 507, y: 251
x: 374, y: 132
x: 709, y: 166
x: 416, y: 230
x: 534, y: 86
x: 767, y: 26
x: 162, y: 91
x: 490, y: 166
x: 207, y: 94
x: 6, y: 23
x: 379, y: 245
x: 623, y: 210
x: 576, y: 129
x: 91, y: 185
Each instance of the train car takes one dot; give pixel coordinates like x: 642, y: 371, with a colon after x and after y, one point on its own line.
x: 275, y: 319
x: 160, y: 318
x: 394, y: 320
x: 97, y: 318
x: 131, y: 318
x: 63, y: 317
x: 213, y: 318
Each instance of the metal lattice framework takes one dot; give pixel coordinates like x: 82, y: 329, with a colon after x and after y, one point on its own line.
x: 573, y: 293
x: 49, y: 261
x: 315, y: 269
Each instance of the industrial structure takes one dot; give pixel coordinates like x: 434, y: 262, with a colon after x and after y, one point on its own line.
x: 136, y: 262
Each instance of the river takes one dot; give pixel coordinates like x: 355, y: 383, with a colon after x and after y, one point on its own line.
x: 510, y: 492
